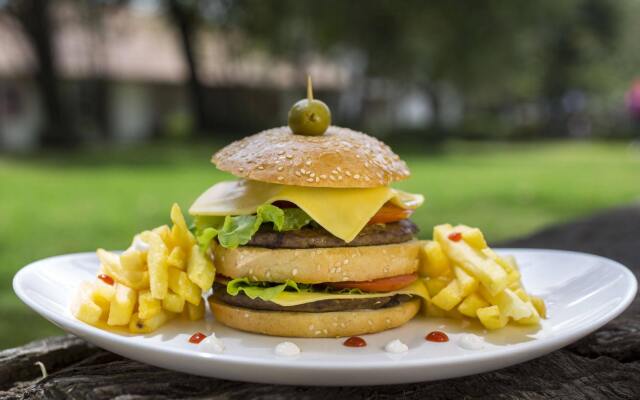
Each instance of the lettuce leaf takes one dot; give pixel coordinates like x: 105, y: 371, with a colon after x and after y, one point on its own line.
x: 258, y: 289
x: 234, y: 231
x: 265, y: 292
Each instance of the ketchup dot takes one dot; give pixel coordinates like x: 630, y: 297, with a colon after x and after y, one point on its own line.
x: 197, y: 337
x: 106, y: 279
x: 455, y: 236
x: 355, y: 341
x: 437, y: 336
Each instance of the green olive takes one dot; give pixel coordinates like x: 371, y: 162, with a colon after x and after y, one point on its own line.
x: 309, y: 117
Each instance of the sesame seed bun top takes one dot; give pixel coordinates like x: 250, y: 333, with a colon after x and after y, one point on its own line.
x: 340, y: 158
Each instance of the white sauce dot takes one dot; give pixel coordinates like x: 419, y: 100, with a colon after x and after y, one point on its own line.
x: 396, y: 346
x: 212, y: 344
x: 470, y: 341
x: 287, y: 349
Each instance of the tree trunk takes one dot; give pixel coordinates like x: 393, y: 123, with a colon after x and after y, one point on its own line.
x: 34, y: 17
x: 184, y: 17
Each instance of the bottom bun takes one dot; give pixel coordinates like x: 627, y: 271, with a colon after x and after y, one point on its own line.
x: 318, y: 325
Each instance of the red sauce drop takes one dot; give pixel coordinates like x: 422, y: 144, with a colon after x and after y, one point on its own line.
x: 437, y: 336
x: 455, y: 236
x: 355, y: 341
x: 197, y: 337
x: 106, y: 279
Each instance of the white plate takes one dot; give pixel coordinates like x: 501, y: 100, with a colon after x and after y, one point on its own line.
x: 582, y: 291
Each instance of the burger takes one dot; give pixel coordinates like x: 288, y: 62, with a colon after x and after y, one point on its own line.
x: 310, y: 240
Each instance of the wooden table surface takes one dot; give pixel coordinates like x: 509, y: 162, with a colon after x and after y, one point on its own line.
x: 604, y: 365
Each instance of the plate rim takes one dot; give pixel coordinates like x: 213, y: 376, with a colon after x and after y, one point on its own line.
x: 91, y: 333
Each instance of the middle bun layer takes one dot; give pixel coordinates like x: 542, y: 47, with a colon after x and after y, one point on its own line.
x: 337, y: 264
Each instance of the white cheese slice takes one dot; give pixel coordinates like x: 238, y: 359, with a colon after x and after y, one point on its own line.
x: 342, y: 212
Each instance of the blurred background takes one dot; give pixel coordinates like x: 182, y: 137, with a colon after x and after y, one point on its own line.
x: 511, y: 115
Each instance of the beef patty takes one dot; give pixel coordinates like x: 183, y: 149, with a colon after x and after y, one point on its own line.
x: 242, y: 300
x: 312, y: 236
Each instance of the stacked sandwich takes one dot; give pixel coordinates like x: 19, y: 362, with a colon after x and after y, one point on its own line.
x: 311, y: 241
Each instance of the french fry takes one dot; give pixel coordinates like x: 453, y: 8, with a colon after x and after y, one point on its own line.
x: 539, y: 305
x: 434, y: 262
x: 435, y: 285
x: 138, y: 325
x: 133, y: 260
x: 83, y: 307
x: 509, y: 303
x: 110, y: 265
x: 195, y: 313
x: 180, y: 234
x: 468, y: 284
x: 432, y: 310
x: 471, y: 304
x: 474, y: 262
x: 200, y: 269
x: 491, y: 317
x: 173, y: 302
x: 510, y: 266
x: 179, y: 283
x: 177, y: 258
x: 102, y: 294
x: 157, y: 263
x: 165, y: 234
x: 148, y: 306
x: 474, y: 237
x: 449, y: 297
x: 122, y: 305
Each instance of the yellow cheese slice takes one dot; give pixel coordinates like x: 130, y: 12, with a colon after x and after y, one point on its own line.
x: 288, y: 299
x: 342, y: 212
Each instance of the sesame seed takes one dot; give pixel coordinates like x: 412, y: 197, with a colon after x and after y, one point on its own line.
x: 308, y: 163
x: 297, y: 173
x: 241, y: 169
x: 311, y: 327
x: 345, y: 278
x: 356, y: 176
x: 289, y: 156
x: 280, y: 168
x: 281, y: 178
x: 294, y: 272
x: 388, y: 320
x: 260, y: 167
x: 309, y: 179
x: 317, y: 179
x: 246, y: 315
x: 303, y: 171
x: 370, y: 322
x: 338, y: 269
x: 345, y: 262
x: 281, y: 152
x: 333, y: 178
x: 323, y: 176
x: 339, y: 177
x: 312, y: 174
x: 318, y: 332
x: 347, y: 173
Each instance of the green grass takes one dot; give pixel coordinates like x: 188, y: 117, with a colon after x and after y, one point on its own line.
x: 71, y: 202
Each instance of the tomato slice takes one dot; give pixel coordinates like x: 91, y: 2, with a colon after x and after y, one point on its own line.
x: 378, y: 285
x: 390, y: 213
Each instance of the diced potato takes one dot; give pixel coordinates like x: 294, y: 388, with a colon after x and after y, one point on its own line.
x: 83, y: 307
x: 110, y: 265
x: 133, y: 260
x: 449, y: 297
x: 431, y: 310
x: 200, y: 269
x: 177, y: 258
x: 510, y: 304
x: 139, y: 325
x: 539, y: 305
x: 471, y: 304
x: 180, y: 234
x: 435, y: 285
x: 532, y: 319
x: 433, y: 260
x: 164, y: 232
x: 158, y: 268
x: 468, y: 284
x: 195, y: 312
x: 491, y: 317
x: 473, y: 261
x: 148, y: 306
x: 173, y: 302
x: 508, y: 263
x: 122, y: 305
x: 474, y: 237
x: 180, y: 283
x: 102, y: 293
x: 522, y: 294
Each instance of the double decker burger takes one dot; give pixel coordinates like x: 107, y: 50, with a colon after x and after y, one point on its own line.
x: 311, y: 241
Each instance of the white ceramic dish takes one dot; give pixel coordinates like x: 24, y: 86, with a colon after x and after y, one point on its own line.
x: 582, y: 292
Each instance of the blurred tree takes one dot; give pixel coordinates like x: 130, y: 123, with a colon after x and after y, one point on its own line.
x: 185, y: 14
x: 35, y: 18
x: 493, y: 52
